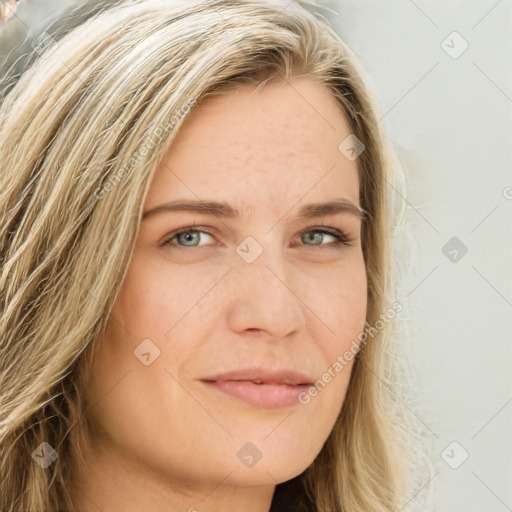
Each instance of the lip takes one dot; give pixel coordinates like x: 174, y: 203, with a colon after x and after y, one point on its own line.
x: 266, y: 375
x: 277, y: 388
x: 269, y: 396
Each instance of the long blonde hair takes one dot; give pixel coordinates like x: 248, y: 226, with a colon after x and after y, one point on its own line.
x: 81, y: 133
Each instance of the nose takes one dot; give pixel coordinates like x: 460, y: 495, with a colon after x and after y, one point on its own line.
x: 263, y: 296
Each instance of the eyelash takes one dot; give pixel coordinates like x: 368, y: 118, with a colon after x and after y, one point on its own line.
x: 341, y: 237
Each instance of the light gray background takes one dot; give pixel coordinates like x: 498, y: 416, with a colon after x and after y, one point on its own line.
x: 450, y: 122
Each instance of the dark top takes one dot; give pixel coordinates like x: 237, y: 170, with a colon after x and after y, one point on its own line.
x: 291, y: 496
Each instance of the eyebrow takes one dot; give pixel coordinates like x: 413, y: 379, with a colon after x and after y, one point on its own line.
x: 225, y: 210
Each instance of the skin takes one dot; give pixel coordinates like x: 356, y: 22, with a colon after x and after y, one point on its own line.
x: 161, y: 439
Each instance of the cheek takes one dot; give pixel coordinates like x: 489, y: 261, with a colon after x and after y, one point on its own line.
x: 343, y: 305
x: 149, y: 302
x: 344, y: 299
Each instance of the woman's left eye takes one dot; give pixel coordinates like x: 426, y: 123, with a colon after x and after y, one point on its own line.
x: 189, y: 237
x: 339, y: 237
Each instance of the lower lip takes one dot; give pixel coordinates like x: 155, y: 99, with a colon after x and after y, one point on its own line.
x: 270, y: 396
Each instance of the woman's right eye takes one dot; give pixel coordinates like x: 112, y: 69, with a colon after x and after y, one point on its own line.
x: 185, y: 238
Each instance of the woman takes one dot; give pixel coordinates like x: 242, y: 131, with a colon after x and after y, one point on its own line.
x: 197, y: 289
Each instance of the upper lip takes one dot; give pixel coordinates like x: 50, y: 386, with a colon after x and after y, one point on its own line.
x: 265, y: 376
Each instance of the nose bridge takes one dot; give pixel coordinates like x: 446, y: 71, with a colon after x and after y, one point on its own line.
x: 263, y: 253
x: 264, y: 288
x: 258, y: 260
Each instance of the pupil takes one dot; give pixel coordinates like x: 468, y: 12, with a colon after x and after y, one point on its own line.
x: 188, y: 236
x: 311, y: 236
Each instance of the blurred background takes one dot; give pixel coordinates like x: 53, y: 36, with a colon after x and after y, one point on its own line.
x: 26, y: 24
x: 442, y: 75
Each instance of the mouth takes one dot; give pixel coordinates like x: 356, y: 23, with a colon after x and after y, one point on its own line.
x: 270, y: 388
x: 260, y: 393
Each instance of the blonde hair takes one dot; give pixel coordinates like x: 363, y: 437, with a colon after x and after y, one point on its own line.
x: 81, y: 133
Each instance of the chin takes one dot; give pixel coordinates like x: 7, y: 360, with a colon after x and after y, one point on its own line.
x: 271, y: 460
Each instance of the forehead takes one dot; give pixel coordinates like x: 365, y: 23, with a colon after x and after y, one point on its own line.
x: 242, y: 144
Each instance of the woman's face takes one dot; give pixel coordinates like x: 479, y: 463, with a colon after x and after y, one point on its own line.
x: 256, y: 289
